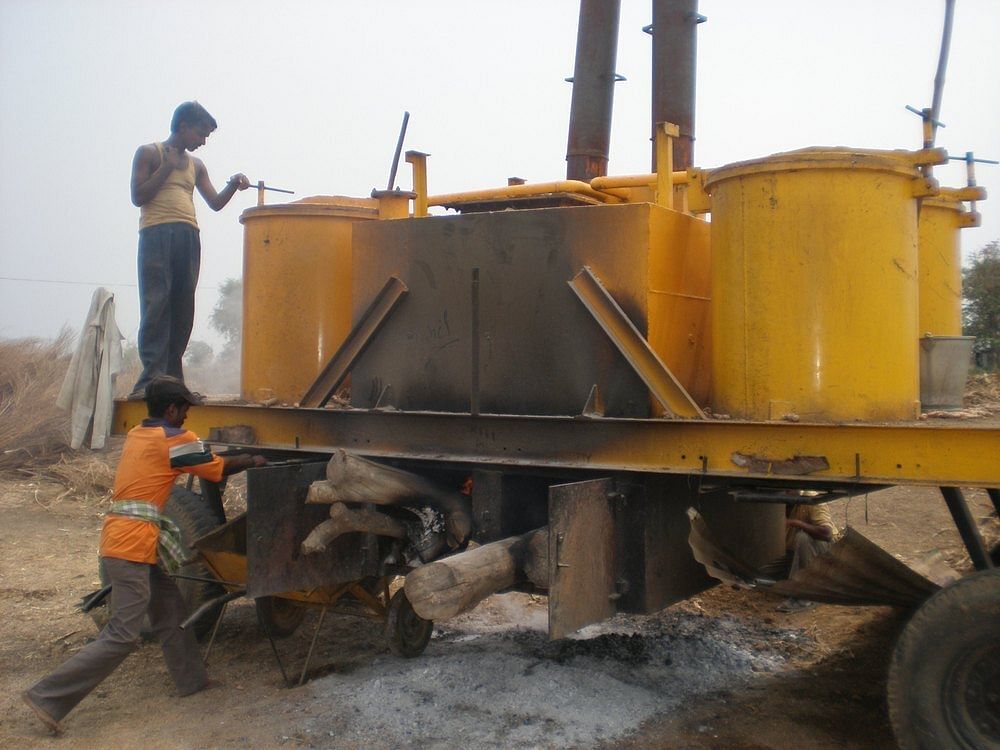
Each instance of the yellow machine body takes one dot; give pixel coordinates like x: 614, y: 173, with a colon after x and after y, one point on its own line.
x: 940, y: 267
x: 296, y: 291
x: 679, y: 299
x: 814, y: 286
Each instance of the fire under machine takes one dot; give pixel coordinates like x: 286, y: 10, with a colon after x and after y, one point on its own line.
x: 586, y: 387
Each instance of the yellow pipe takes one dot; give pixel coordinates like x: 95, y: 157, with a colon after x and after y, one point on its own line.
x: 635, y: 180
x: 521, y: 191
x: 665, y: 133
x: 419, y: 162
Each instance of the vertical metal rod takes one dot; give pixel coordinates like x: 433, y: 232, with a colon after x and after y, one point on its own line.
x: 474, y: 387
x: 312, y: 646
x: 949, y: 14
x: 967, y: 528
x: 215, y: 629
x: 274, y: 650
x: 399, y: 150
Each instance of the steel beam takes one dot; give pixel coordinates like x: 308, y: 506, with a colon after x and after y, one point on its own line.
x: 967, y: 528
x: 956, y: 455
x: 633, y: 346
x: 337, y: 369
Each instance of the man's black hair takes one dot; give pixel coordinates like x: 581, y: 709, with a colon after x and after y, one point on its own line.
x: 157, y: 406
x: 193, y: 114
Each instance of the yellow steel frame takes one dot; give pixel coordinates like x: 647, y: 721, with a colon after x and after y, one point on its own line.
x: 958, y: 454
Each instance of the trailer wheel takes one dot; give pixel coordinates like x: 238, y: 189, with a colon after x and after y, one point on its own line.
x: 408, y: 632
x: 944, y: 679
x: 191, y: 513
x: 278, y: 617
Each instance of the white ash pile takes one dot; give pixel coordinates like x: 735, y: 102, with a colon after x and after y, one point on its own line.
x: 485, y: 683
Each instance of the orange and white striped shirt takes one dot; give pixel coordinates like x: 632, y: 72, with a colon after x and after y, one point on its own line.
x: 153, y: 456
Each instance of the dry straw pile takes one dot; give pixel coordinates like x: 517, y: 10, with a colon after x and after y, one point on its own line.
x: 983, y: 390
x: 34, y: 433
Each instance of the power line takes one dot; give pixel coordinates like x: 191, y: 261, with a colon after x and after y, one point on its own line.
x: 84, y: 283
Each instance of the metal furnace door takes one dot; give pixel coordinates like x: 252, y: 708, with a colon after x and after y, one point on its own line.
x: 581, y: 555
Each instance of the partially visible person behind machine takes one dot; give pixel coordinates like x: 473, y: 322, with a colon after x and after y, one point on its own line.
x: 809, y: 531
x: 164, y: 176
x: 139, y: 547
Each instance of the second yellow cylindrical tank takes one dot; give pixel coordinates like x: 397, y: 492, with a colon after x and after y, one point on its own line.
x: 296, y: 291
x: 940, y: 267
x: 814, y: 286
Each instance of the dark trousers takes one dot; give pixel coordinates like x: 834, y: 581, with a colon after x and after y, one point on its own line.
x: 169, y: 262
x: 137, y: 589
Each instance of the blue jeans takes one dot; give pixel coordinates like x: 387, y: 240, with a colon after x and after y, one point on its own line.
x: 169, y: 262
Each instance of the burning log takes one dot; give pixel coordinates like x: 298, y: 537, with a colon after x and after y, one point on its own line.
x: 456, y: 584
x: 344, y: 520
x: 353, y: 479
x: 536, y: 558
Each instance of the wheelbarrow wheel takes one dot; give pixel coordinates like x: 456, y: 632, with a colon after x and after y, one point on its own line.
x: 408, y: 632
x: 195, y: 518
x: 278, y: 617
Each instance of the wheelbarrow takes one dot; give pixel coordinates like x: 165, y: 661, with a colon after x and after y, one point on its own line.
x: 257, y: 555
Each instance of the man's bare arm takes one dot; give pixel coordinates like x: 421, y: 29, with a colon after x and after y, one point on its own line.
x: 241, y: 461
x: 149, y: 172
x: 816, y: 531
x: 216, y: 200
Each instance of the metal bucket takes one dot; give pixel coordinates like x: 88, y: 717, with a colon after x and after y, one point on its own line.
x: 944, y: 368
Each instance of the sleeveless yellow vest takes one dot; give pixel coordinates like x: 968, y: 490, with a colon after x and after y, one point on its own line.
x: 175, y: 200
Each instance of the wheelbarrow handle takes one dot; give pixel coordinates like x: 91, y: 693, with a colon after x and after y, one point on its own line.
x: 210, y: 605
x: 94, y: 598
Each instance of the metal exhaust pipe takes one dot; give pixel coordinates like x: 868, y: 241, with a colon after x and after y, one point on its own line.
x: 675, y: 50
x: 593, y: 90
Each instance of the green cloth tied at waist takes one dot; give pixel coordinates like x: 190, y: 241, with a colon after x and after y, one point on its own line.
x: 169, y: 547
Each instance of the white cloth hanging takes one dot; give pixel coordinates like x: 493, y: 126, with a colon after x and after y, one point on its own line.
x: 88, y: 389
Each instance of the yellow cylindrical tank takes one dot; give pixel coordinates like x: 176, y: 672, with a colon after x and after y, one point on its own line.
x: 296, y: 291
x: 814, y: 286
x: 940, y: 266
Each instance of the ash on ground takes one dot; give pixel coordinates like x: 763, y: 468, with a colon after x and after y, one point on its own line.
x: 492, y: 679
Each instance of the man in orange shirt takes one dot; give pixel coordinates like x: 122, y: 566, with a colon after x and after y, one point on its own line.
x: 135, y: 541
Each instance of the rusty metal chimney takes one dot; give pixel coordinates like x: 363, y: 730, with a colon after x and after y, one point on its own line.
x: 593, y: 90
x: 675, y: 49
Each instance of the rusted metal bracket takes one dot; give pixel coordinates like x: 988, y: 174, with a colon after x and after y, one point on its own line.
x: 595, y: 404
x: 354, y: 345
x: 794, y: 466
x: 637, y: 352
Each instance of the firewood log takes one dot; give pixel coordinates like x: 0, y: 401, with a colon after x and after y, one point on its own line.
x: 344, y: 520
x: 452, y: 585
x: 350, y: 478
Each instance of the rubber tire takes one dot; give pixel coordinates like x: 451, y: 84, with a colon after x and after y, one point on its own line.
x: 278, y: 617
x: 944, y: 679
x: 191, y: 513
x: 408, y: 632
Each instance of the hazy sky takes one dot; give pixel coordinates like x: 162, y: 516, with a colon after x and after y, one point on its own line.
x: 309, y: 95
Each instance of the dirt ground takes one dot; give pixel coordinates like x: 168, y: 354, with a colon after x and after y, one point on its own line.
x: 723, y: 670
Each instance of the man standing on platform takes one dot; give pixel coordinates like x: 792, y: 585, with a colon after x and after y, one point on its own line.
x: 164, y: 176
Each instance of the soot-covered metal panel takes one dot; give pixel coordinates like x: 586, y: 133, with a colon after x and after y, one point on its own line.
x: 539, y: 350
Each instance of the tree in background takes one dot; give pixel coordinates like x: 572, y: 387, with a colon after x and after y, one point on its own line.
x: 981, y: 303
x: 198, y: 354
x: 219, y: 374
x: 227, y: 317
